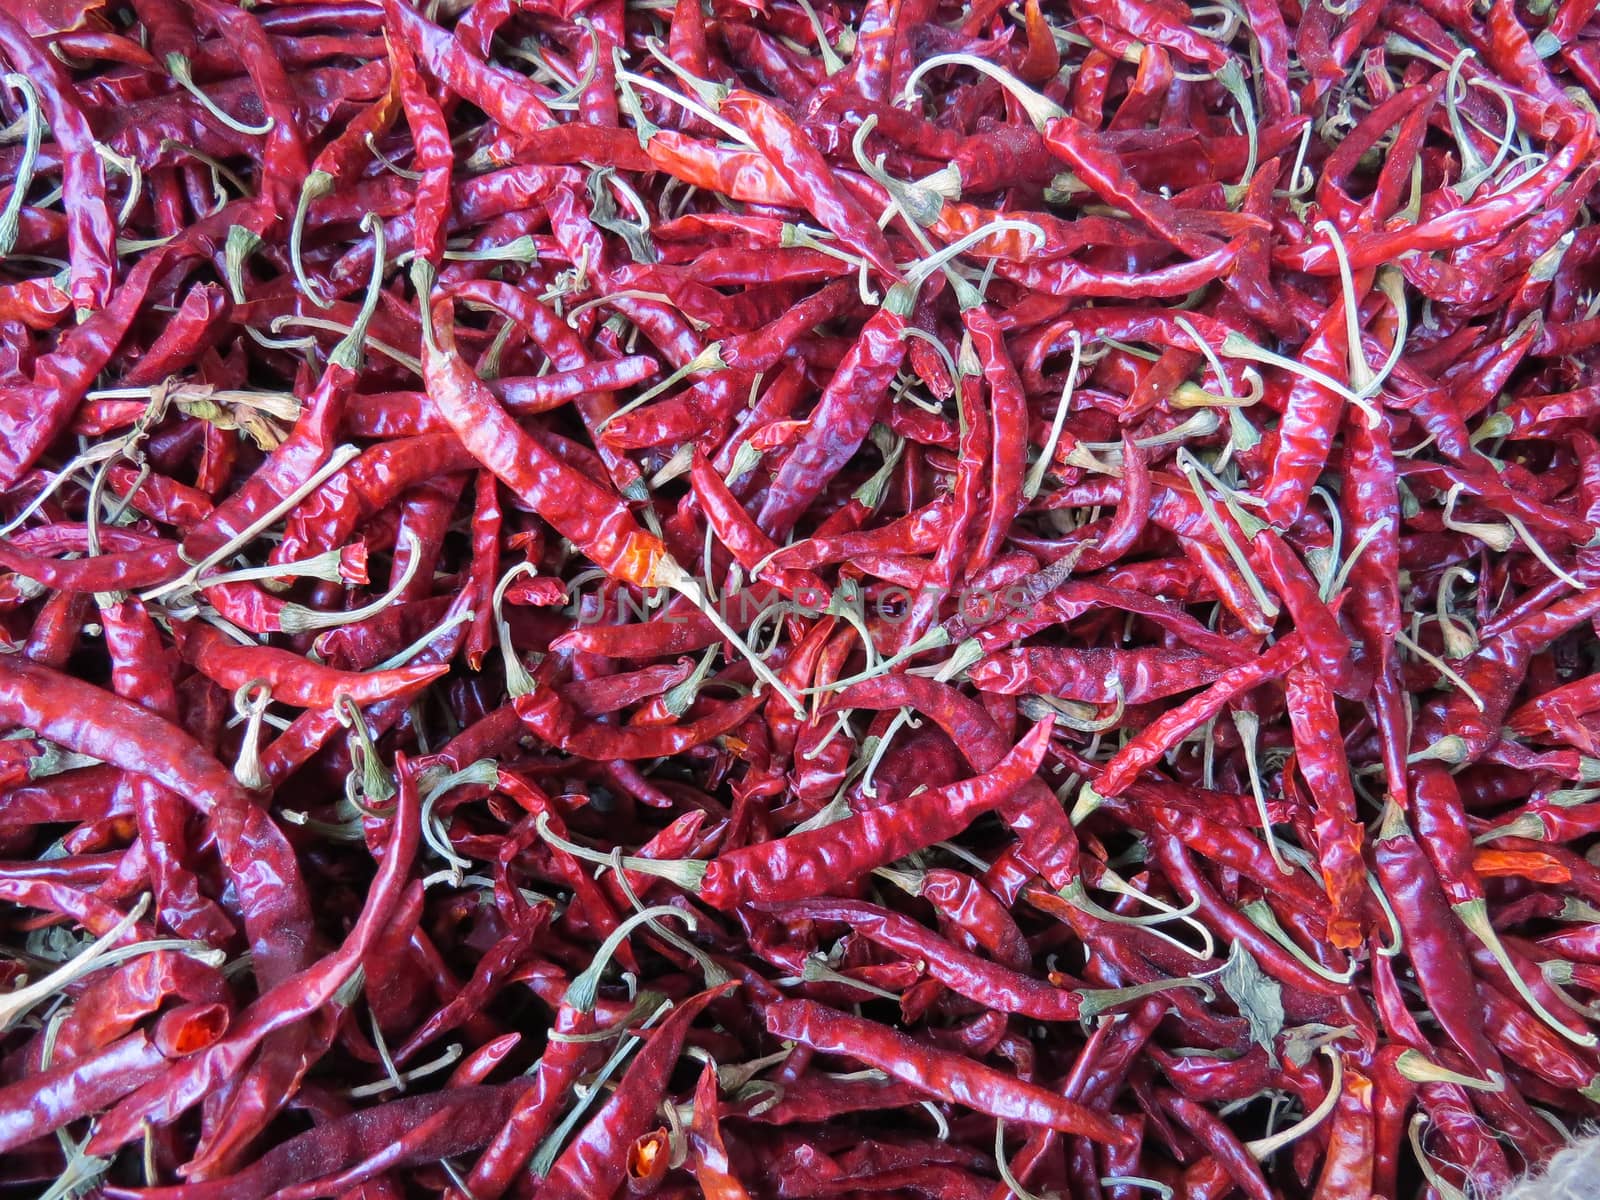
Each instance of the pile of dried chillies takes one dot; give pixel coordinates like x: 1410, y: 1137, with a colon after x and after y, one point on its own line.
x: 751, y: 598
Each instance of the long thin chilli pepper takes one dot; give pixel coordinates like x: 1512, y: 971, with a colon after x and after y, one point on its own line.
x: 434, y: 156
x: 90, y: 224
x: 964, y: 905
x: 292, y: 679
x: 349, y: 1139
x: 591, y: 516
x: 1432, y: 939
x: 33, y: 417
x: 544, y: 712
x: 986, y: 983
x: 708, y: 1153
x: 330, y: 515
x: 1348, y: 1168
x: 736, y: 529
x: 1099, y: 674
x: 1339, y: 835
x: 576, y: 506
x: 805, y: 171
x: 843, y: 416
x: 1328, y: 649
x: 1441, y: 826
x: 497, y: 90
x: 536, y: 1110
x: 1464, y: 731
x: 952, y: 560
x: 947, y: 1076
x: 805, y: 864
x: 1047, y: 839
x: 1373, y: 513
x: 296, y: 459
x: 115, y: 571
x: 1154, y: 741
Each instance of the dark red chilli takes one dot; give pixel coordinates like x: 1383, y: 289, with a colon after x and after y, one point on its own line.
x: 864, y: 597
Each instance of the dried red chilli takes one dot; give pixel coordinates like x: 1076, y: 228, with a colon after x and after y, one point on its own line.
x: 938, y: 1073
x: 1042, y: 650
x: 90, y: 230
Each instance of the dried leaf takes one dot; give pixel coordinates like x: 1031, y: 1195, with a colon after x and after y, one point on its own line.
x: 1303, y: 1041
x: 603, y: 212
x: 1258, y: 996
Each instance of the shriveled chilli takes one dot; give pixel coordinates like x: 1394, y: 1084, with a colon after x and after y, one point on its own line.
x: 1016, y: 584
